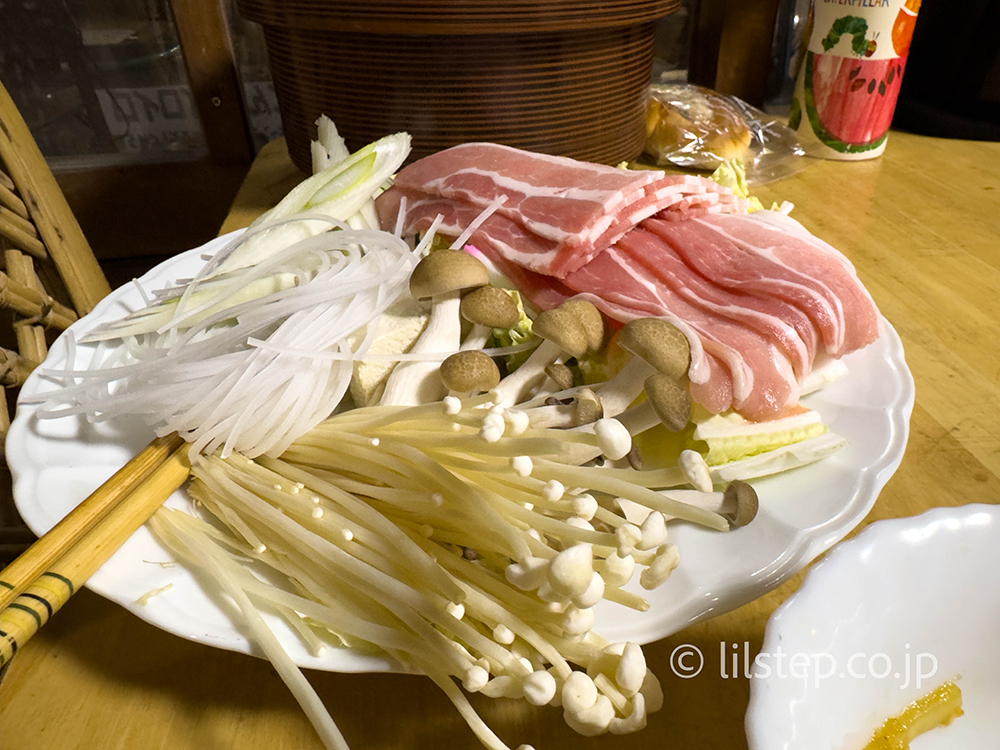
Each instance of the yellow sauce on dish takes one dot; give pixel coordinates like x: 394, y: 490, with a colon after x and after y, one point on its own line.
x: 936, y: 709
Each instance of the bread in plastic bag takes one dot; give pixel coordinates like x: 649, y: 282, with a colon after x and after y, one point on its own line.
x: 694, y: 127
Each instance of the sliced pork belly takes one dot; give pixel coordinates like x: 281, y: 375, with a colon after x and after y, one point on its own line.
x: 760, y: 299
x: 715, y: 395
x: 572, y: 209
x: 810, y: 253
x: 512, y: 239
x: 762, y: 257
x: 763, y: 383
x: 561, y: 199
x: 769, y: 318
x: 730, y: 263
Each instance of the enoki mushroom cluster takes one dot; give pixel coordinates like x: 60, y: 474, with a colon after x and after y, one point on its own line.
x: 466, y: 544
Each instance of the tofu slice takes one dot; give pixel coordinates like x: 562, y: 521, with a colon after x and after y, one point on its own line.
x: 398, y: 328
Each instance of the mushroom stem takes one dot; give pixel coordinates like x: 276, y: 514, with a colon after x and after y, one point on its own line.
x: 738, y: 503
x: 717, y: 502
x: 639, y: 418
x: 412, y: 383
x: 554, y: 415
x: 573, y: 328
x: 519, y: 384
x: 476, y: 338
x: 441, y: 277
x: 624, y: 387
x: 545, y: 399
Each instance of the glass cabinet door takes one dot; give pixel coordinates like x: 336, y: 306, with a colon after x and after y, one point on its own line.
x: 100, y: 83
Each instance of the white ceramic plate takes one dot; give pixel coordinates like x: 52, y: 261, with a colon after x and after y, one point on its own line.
x: 885, y: 618
x: 57, y: 463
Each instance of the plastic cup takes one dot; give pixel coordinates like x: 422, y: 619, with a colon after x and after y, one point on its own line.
x: 849, y: 81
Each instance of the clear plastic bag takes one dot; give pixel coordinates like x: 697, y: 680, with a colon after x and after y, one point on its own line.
x: 693, y: 127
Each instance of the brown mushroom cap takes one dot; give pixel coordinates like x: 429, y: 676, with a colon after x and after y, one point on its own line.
x: 587, y: 407
x: 563, y: 327
x: 490, y: 306
x: 444, y: 271
x: 634, y: 458
x: 592, y: 320
x: 747, y: 503
x: 659, y: 343
x: 469, y: 371
x: 670, y: 401
x: 561, y: 375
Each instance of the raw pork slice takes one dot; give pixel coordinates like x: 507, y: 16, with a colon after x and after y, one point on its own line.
x: 782, y: 324
x: 624, y: 296
x: 752, y: 256
x: 760, y: 299
x: 565, y: 211
x: 763, y: 383
x: 561, y: 199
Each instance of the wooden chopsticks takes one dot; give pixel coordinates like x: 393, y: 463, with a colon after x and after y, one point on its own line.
x: 41, y: 580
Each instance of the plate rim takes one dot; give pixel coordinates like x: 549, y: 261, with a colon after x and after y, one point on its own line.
x: 806, y: 544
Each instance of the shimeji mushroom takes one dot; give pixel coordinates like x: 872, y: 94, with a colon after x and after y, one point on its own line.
x: 592, y: 320
x: 582, y: 407
x: 738, y: 503
x: 657, y: 347
x: 560, y: 375
x: 441, y: 277
x: 587, y: 407
x: 468, y: 372
x: 558, y: 388
x: 667, y: 402
x: 574, y: 329
x: 744, y: 496
x: 487, y: 308
x: 670, y: 400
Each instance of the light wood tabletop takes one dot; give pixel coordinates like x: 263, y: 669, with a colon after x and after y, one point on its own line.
x: 922, y: 225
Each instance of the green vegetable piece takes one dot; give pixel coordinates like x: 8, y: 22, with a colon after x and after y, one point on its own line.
x: 732, y: 174
x: 342, y: 182
x: 516, y: 334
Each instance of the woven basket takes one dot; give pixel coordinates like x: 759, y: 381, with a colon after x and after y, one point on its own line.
x: 50, y: 277
x: 565, y: 78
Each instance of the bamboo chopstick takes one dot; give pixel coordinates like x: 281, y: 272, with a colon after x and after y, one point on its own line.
x: 53, y: 587
x: 23, y: 572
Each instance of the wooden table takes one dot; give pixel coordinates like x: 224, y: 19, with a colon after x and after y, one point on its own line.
x: 922, y: 224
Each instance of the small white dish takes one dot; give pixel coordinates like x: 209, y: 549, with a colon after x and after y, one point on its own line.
x: 885, y: 618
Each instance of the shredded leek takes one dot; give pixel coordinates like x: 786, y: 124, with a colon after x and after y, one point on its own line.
x: 214, y: 387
